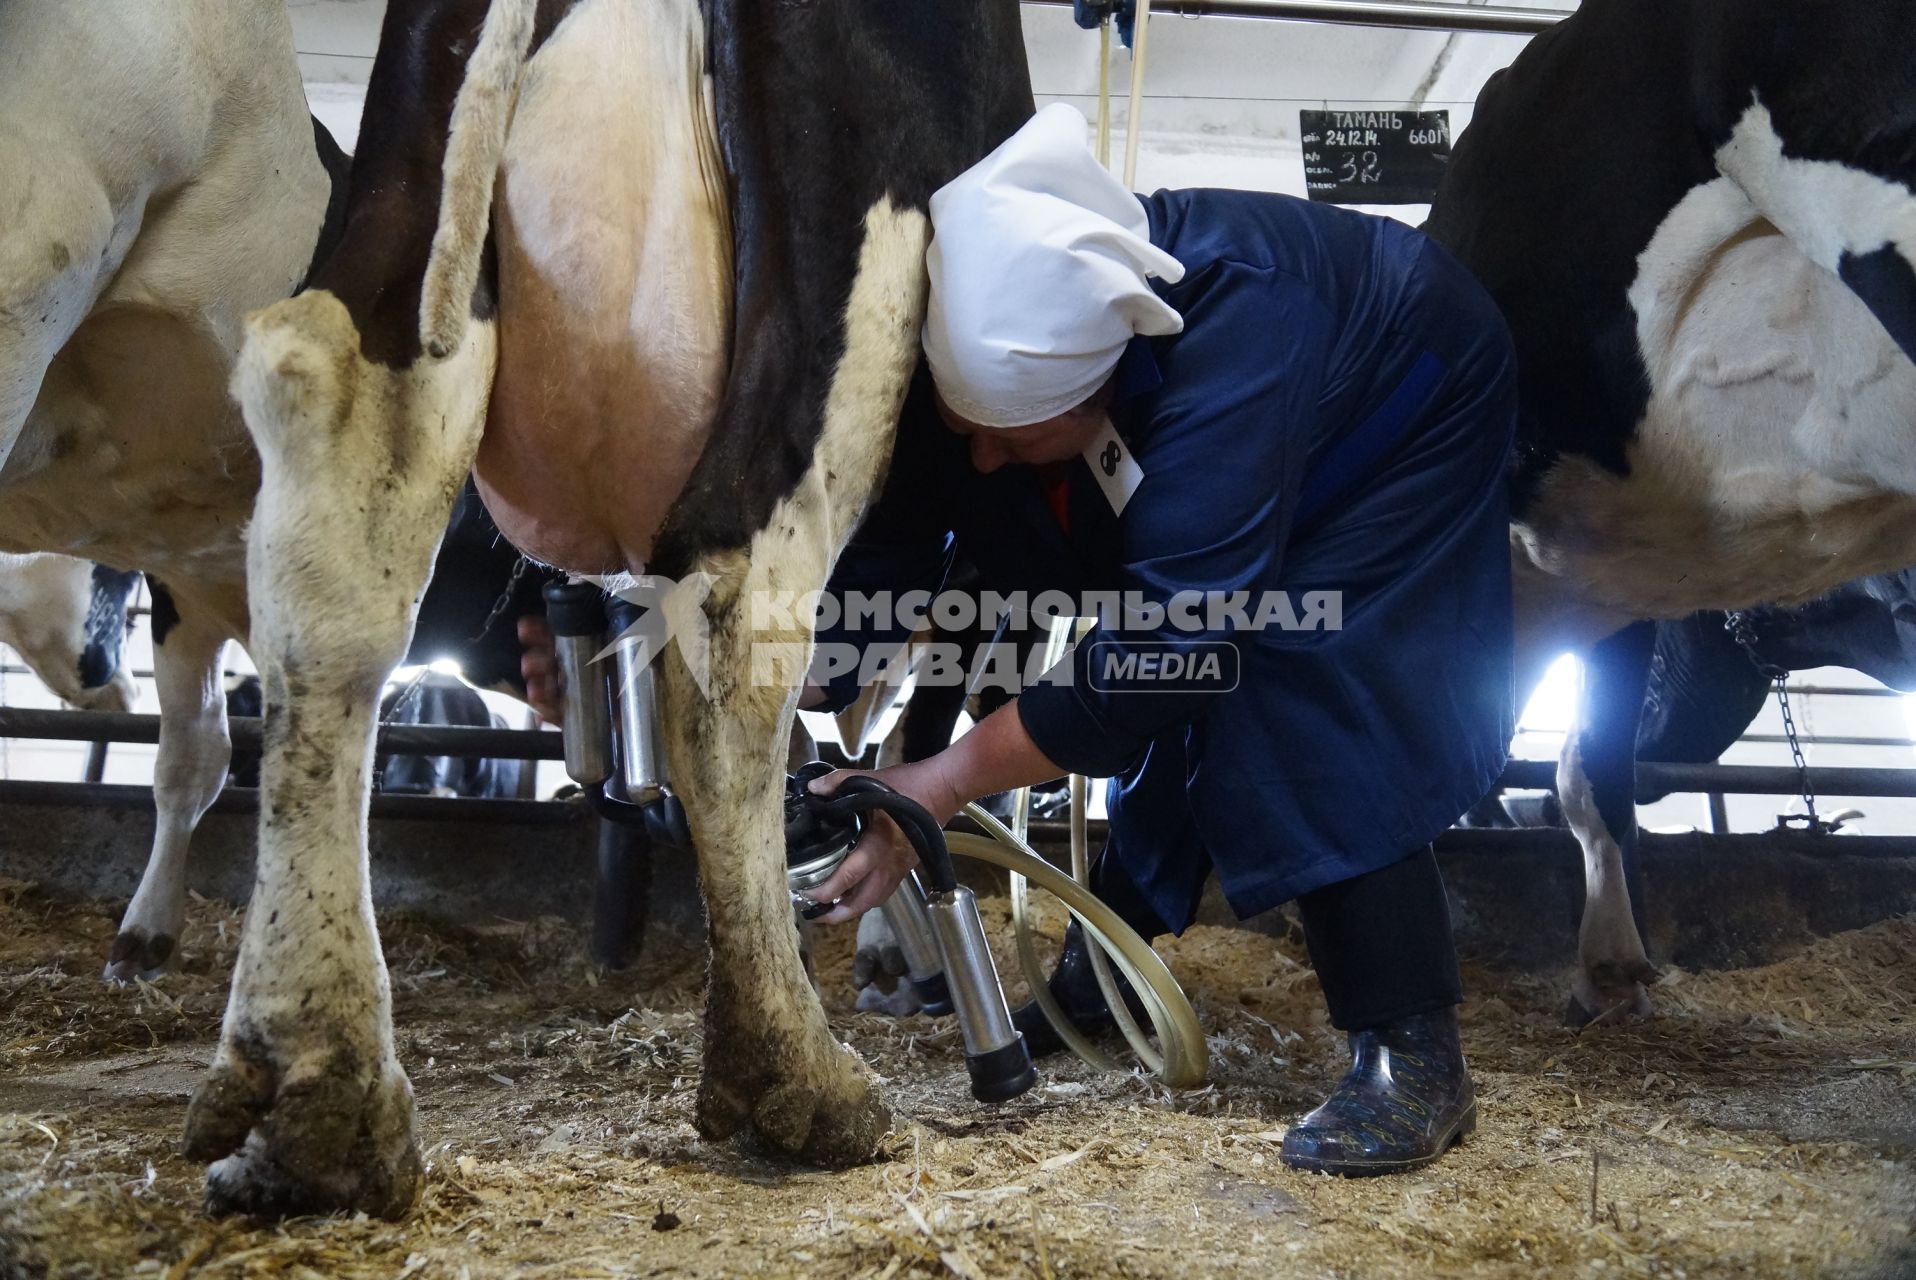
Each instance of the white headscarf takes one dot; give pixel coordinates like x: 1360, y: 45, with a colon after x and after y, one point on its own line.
x: 1040, y: 261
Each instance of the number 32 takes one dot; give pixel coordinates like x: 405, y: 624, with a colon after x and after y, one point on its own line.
x: 1364, y: 168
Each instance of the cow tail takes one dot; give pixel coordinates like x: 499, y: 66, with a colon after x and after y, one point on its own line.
x: 481, y: 116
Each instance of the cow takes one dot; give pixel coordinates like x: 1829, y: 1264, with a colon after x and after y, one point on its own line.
x: 67, y: 619
x: 655, y: 273
x: 1697, y: 217
x: 1704, y: 685
x: 138, y: 226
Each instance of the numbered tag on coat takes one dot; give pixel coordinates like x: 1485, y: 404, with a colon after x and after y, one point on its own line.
x: 1118, y: 473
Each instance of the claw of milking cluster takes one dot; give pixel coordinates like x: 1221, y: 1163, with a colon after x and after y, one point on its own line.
x: 817, y: 838
x: 938, y: 929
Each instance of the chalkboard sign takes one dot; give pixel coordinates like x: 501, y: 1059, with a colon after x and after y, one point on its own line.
x: 1374, y: 157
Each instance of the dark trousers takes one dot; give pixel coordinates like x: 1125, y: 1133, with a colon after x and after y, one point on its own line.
x: 1380, y: 942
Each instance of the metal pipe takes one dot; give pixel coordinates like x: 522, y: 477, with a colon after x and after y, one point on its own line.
x: 1719, y: 813
x: 1530, y: 843
x: 112, y: 795
x: 588, y: 710
x: 911, y: 928
x: 995, y: 1051
x: 95, y: 763
x: 520, y: 744
x: 458, y: 741
x: 1845, y: 691
x: 1736, y: 779
x: 1414, y: 15
x: 1831, y: 740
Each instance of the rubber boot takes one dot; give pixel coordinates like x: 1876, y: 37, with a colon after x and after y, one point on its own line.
x: 1406, y: 1098
x: 1075, y: 987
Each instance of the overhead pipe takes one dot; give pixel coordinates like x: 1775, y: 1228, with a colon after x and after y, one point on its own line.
x: 1413, y: 15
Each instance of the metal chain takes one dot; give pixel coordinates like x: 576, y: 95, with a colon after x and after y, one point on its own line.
x: 504, y: 601
x: 399, y: 707
x: 1741, y: 630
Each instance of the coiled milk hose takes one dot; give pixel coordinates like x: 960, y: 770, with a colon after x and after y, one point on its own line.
x: 1183, y: 1058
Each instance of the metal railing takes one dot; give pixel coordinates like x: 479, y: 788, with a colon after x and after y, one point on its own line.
x: 528, y: 744
x: 460, y: 741
x: 1413, y: 15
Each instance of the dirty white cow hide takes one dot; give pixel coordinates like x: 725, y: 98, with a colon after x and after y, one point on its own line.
x: 160, y: 177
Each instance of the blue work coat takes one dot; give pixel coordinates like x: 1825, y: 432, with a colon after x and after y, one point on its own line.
x: 1336, y: 416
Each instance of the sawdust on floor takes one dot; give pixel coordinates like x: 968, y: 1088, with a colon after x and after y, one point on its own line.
x: 1762, y: 1124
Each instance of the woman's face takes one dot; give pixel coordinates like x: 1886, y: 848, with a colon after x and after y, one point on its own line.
x: 1055, y: 439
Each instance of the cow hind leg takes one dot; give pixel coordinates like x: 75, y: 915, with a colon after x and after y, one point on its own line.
x: 306, y: 1108
x: 187, y: 774
x: 771, y: 1063
x: 1596, y: 782
x: 364, y: 444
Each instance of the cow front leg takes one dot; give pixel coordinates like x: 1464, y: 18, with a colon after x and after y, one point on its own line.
x: 1596, y: 783
x: 187, y: 775
x: 306, y: 1108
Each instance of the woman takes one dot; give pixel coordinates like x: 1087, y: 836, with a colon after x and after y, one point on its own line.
x: 1203, y: 393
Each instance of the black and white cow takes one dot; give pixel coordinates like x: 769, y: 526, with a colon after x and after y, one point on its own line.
x: 67, y: 619
x: 657, y: 273
x: 1704, y: 687
x: 1697, y: 217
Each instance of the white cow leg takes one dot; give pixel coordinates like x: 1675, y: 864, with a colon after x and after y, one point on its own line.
x: 1552, y: 618
x: 1612, y: 965
x: 306, y: 1108
x: 770, y: 1060
x: 189, y: 772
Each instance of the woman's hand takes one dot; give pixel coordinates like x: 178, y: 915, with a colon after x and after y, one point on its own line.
x: 995, y: 756
x: 882, y: 857
x: 539, y: 665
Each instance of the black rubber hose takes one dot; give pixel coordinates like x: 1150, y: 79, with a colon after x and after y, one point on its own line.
x: 663, y: 819
x: 863, y: 795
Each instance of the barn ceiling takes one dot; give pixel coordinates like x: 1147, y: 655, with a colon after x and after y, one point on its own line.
x: 1221, y: 99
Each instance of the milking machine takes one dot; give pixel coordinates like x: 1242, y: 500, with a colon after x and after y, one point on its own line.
x: 615, y: 752
x: 624, y: 774
x: 934, y: 919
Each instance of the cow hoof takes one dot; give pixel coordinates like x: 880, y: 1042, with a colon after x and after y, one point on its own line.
x: 1598, y: 1003
x: 325, y: 1140
x: 138, y: 954
x: 829, y: 1116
